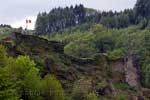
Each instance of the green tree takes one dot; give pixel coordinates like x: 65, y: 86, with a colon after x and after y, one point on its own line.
x: 92, y: 96
x: 116, y: 54
x: 7, y: 89
x: 52, y: 89
x: 142, y: 8
x: 25, y: 76
x: 147, y: 76
x: 3, y: 56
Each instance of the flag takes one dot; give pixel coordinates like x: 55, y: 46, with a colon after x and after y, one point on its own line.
x: 28, y: 21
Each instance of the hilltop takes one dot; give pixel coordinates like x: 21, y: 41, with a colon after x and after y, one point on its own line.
x: 59, y: 18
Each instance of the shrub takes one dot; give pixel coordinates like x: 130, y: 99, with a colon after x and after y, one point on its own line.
x: 101, y: 84
x: 3, y: 56
x: 81, y: 89
x: 146, y: 75
x: 79, y: 93
x: 123, y: 86
x: 92, y: 96
x: 52, y: 89
x: 116, y: 54
x: 120, y: 97
x: 80, y: 49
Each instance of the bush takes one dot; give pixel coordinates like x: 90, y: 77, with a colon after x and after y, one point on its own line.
x: 92, y: 96
x: 52, y: 89
x: 80, y: 49
x: 3, y: 56
x: 81, y: 89
x: 116, y: 54
x: 101, y: 84
x: 146, y: 75
x: 120, y: 97
x: 79, y: 93
x: 123, y: 86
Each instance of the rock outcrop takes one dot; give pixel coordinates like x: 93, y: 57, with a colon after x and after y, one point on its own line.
x: 132, y: 75
x: 34, y: 41
x: 130, y: 67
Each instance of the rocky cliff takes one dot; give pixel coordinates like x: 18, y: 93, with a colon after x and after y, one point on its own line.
x: 130, y: 67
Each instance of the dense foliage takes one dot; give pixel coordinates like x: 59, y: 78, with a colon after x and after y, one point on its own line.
x: 61, y: 18
x: 20, y: 79
x: 142, y: 7
x: 115, y: 43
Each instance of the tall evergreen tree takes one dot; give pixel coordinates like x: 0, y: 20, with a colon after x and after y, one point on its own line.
x: 142, y: 8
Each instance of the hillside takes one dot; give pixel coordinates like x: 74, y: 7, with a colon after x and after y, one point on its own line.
x: 78, y: 53
x: 108, y: 72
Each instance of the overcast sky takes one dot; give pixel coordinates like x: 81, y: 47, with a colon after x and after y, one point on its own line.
x: 14, y: 12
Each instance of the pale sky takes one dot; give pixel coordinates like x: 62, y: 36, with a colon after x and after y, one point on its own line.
x: 15, y: 12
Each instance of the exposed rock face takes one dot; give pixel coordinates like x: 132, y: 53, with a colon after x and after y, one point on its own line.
x: 132, y: 71
x: 130, y: 67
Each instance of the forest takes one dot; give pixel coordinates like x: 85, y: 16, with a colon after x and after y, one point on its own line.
x: 61, y: 18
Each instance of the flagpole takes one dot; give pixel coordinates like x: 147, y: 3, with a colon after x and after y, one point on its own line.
x: 26, y: 24
x: 26, y: 29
